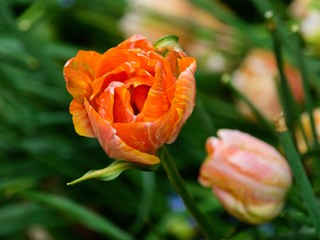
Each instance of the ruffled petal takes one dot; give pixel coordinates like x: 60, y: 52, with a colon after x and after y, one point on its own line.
x: 136, y: 41
x: 112, y: 144
x: 157, y: 103
x: 184, y: 97
x: 80, y: 119
x: 79, y: 73
x: 138, y: 135
x: 122, y: 110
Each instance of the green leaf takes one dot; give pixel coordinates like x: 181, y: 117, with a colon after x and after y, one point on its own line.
x: 168, y: 42
x: 113, y: 171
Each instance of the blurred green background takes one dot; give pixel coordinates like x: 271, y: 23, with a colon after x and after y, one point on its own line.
x: 40, y: 151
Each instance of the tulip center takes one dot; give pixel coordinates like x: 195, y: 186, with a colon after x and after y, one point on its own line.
x: 129, y: 102
x: 138, y: 97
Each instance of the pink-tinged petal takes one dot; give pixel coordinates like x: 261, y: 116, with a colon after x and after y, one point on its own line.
x: 184, y: 99
x: 249, y: 182
x: 211, y: 144
x: 114, y: 146
x: 249, y: 143
x: 157, y: 103
x: 79, y: 73
x: 256, y: 212
x: 265, y: 170
x: 225, y: 173
x: 80, y: 119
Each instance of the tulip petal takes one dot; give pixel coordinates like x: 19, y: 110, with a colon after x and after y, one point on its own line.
x: 79, y: 73
x: 276, y: 163
x: 122, y: 110
x: 136, y: 42
x: 184, y: 98
x: 121, y: 73
x: 138, y: 135
x: 246, y: 141
x: 157, y: 103
x: 80, y: 119
x: 114, y: 146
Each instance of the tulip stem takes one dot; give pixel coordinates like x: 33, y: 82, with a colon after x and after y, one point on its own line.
x: 309, y: 103
x: 299, y: 173
x: 177, y: 181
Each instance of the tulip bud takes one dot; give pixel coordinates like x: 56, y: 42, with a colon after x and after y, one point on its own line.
x: 249, y: 177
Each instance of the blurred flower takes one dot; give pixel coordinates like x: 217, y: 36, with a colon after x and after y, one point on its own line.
x: 306, y: 124
x: 132, y: 98
x: 255, y: 79
x: 308, y: 13
x: 249, y: 177
x: 202, y: 35
x: 299, y: 8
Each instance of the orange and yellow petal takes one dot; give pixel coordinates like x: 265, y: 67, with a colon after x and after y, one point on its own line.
x: 80, y: 119
x: 156, y: 104
x: 112, y: 144
x: 137, y: 135
x: 184, y: 98
x: 79, y: 73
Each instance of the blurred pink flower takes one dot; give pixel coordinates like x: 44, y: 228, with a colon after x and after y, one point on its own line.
x: 256, y: 80
x: 248, y: 176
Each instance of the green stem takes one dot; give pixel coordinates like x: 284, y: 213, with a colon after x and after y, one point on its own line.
x: 307, y: 95
x: 299, y: 173
x: 288, y: 102
x: 176, y: 180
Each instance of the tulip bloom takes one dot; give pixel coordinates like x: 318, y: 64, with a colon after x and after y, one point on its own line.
x: 131, y: 98
x: 249, y: 177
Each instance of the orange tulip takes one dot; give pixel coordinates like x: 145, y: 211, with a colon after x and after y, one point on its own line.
x: 131, y: 98
x: 249, y: 177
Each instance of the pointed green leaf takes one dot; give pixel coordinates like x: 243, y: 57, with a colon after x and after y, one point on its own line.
x: 168, y: 42
x: 113, y: 171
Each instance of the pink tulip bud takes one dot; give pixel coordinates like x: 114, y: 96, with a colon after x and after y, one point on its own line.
x: 248, y: 176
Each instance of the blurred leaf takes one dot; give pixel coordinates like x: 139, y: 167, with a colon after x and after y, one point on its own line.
x: 79, y: 214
